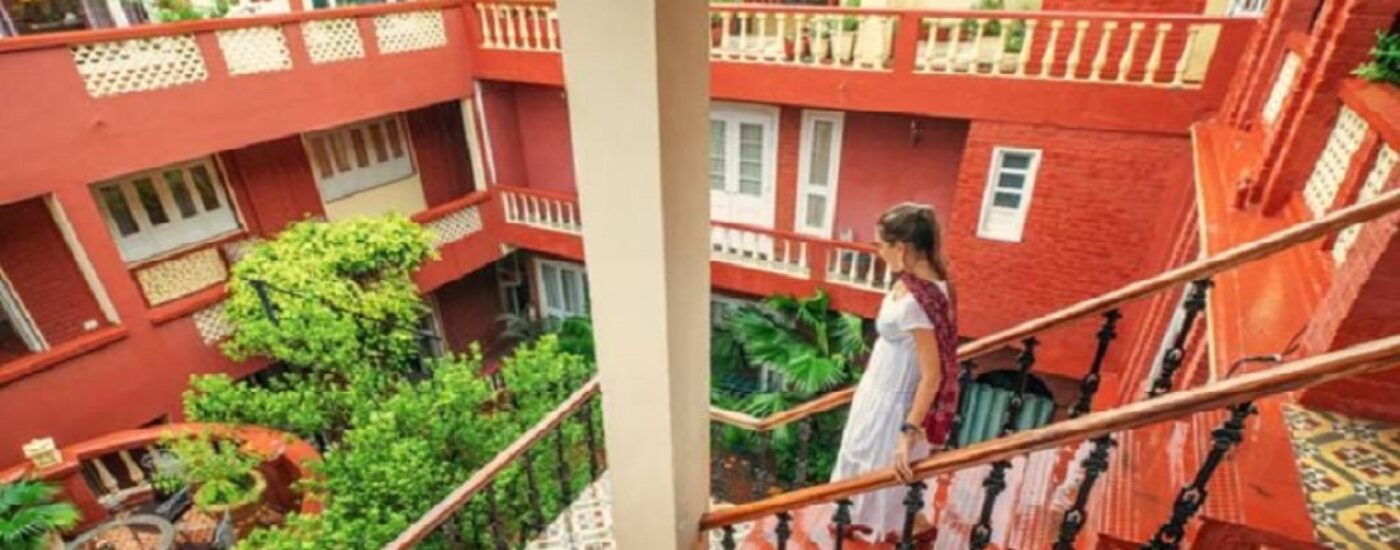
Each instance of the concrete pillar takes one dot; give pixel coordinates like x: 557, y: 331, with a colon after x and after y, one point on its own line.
x: 637, y: 74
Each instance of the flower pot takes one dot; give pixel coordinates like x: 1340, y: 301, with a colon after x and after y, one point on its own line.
x: 243, y: 513
x: 821, y: 45
x: 845, y: 46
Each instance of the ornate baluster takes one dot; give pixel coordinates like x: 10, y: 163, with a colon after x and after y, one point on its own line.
x: 727, y: 542
x: 1094, y: 465
x: 784, y: 529
x: 1193, y: 496
x: 109, y: 481
x: 1024, y: 362
x: 1072, y: 65
x: 1194, y: 304
x: 522, y: 17
x: 1154, y: 61
x: 594, y: 469
x: 1025, y: 58
x: 1090, y: 385
x: 495, y: 517
x: 802, y: 35
x: 1048, y: 60
x: 550, y: 24
x: 497, y: 34
x: 1125, y: 65
x: 510, y: 27
x: 993, y: 485
x: 132, y: 469
x: 532, y: 488
x: 1101, y: 57
x: 802, y: 256
x: 804, y: 437
x: 1179, y: 76
x: 913, y: 504
x: 842, y: 521
x: 840, y: 33
x: 761, y: 33
x: 744, y: 18
x: 561, y: 466
x: 724, y: 18
x: 964, y: 384
x: 950, y: 57
x: 782, y: 34
x: 925, y: 61
x: 488, y: 38
x: 999, y: 59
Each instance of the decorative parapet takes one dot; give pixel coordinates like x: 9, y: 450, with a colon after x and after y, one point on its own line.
x: 181, y: 276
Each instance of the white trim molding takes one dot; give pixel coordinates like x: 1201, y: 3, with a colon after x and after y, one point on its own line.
x: 1006, y: 201
x: 821, y: 181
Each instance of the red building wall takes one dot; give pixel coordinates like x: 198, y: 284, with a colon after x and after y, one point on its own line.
x: 1095, y: 214
x: 888, y: 159
x: 440, y: 147
x: 1150, y: 6
x: 469, y: 308
x: 43, y: 273
x: 529, y: 134
x: 273, y: 183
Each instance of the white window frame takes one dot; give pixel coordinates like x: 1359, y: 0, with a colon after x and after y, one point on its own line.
x: 12, y: 310
x: 550, y: 310
x: 358, y: 179
x: 179, y: 233
x: 1014, y: 231
x: 734, y: 115
x: 805, y: 189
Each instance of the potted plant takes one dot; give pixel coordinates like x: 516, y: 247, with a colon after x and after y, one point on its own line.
x: 223, y: 476
x: 844, y: 44
x: 30, y: 518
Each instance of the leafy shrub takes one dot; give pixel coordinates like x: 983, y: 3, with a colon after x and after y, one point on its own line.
x: 29, y: 515
x: 1384, y: 65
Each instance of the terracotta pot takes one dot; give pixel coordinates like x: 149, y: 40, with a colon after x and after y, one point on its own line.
x: 242, y: 513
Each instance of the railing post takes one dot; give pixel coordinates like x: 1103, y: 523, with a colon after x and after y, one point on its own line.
x: 1194, y: 304
x: 964, y: 385
x: 842, y: 520
x: 1090, y: 385
x: 913, y: 504
x: 906, y: 42
x: 1094, y: 465
x: 1024, y: 362
x: 996, y: 479
x: 784, y: 529
x: 1193, y: 496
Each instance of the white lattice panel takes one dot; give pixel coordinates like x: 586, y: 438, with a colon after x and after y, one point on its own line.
x: 455, y: 226
x: 408, y: 32
x: 332, y: 40
x: 213, y: 324
x: 255, y: 50
x: 1282, y: 85
x: 182, y: 276
x: 139, y: 65
x: 1375, y: 183
x: 1332, y: 164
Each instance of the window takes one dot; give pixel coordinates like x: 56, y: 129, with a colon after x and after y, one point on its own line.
x: 743, y: 149
x: 17, y: 335
x: 818, y: 172
x: 158, y: 211
x: 359, y: 156
x: 563, y: 290
x: 1008, y: 197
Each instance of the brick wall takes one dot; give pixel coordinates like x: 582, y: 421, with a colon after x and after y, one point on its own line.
x: 440, y: 149
x: 883, y: 163
x: 45, y: 276
x: 469, y: 308
x: 1101, y: 203
x: 274, y: 184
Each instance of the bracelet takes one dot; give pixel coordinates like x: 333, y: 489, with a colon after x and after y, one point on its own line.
x: 907, y: 428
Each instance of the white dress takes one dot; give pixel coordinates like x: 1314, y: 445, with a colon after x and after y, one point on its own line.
x: 880, y: 407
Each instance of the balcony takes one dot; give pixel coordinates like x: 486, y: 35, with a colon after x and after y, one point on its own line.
x: 1155, y: 73
x: 128, y: 99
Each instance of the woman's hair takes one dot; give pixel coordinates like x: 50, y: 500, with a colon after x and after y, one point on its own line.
x: 917, y: 226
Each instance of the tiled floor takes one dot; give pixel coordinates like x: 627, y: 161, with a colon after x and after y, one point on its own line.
x: 588, y: 523
x: 1351, y: 473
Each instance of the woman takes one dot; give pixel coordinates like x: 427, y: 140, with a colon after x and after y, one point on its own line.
x: 905, y: 402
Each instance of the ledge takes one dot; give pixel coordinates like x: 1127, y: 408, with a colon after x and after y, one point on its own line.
x: 188, y: 304
x: 39, y: 362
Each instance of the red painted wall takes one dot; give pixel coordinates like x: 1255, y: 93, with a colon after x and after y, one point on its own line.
x: 440, y: 147
x: 543, y: 114
x: 881, y: 165
x: 274, y: 184
x: 502, y: 131
x: 1093, y: 219
x: 469, y: 308
x: 44, y: 275
x: 1153, y: 6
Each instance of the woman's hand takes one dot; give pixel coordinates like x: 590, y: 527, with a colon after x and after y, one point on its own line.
x: 902, y: 467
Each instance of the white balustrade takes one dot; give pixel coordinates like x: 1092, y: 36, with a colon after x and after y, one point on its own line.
x: 1082, y: 50
x: 858, y: 268
x: 519, y: 26
x: 1247, y: 8
x: 759, y: 250
x: 842, y: 40
x: 542, y: 212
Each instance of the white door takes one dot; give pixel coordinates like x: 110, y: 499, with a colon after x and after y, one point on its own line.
x: 743, y: 146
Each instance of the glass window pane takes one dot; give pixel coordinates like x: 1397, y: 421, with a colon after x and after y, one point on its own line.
x: 175, y: 180
x: 750, y: 178
x: 552, y: 295
x: 1020, y: 161
x: 1006, y: 200
x: 1011, y: 181
x: 204, y: 184
x: 391, y: 127
x: 717, y: 151
x: 342, y: 159
x: 820, y: 169
x: 150, y: 201
x: 751, y: 159
x: 115, y: 201
x: 376, y: 137
x: 357, y: 140
x: 573, y: 302
x: 322, y: 157
x: 816, y: 211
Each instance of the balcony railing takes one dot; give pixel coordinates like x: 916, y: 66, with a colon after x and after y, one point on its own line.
x: 1173, y: 51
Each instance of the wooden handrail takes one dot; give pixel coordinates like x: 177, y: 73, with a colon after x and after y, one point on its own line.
x: 1319, y: 369
x: 463, y: 493
x: 1225, y: 260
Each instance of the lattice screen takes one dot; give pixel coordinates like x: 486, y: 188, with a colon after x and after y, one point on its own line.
x: 171, y: 279
x: 213, y: 325
x: 332, y: 40
x: 455, y: 226
x: 1375, y: 183
x: 1282, y: 85
x: 412, y: 31
x: 1332, y: 164
x: 255, y: 50
x: 138, y: 65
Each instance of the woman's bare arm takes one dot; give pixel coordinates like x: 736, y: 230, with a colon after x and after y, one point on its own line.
x: 931, y: 367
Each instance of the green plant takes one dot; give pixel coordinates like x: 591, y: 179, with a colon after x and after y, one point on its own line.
x: 849, y: 23
x: 218, y: 469
x: 168, y: 11
x: 29, y: 515
x: 1384, y: 65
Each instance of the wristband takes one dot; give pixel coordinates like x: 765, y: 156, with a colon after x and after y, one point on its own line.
x: 908, y: 428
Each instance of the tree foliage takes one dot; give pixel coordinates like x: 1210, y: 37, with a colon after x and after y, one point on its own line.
x: 29, y: 515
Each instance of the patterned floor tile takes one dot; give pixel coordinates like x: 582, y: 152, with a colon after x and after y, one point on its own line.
x: 587, y: 525
x: 1351, y: 473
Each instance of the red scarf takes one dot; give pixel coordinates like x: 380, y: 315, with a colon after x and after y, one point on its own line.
x: 942, y: 310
